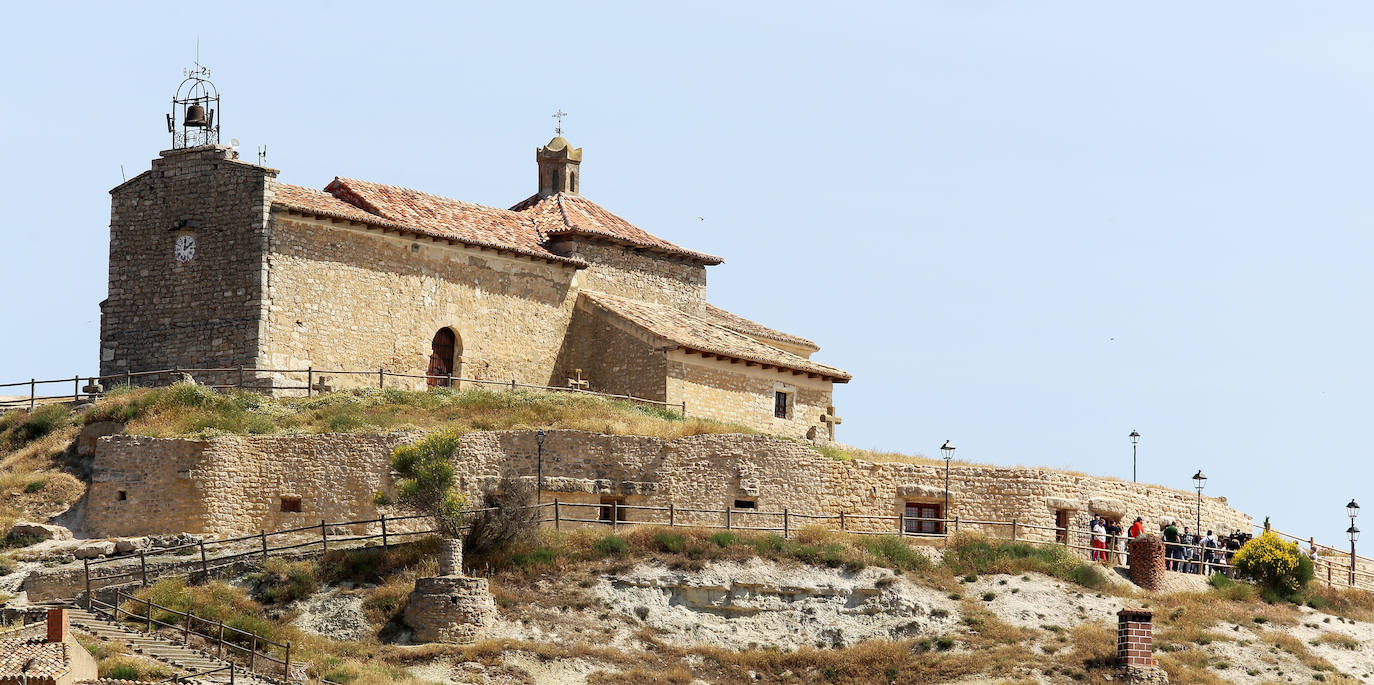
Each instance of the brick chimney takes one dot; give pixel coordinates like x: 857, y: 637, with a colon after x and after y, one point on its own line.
x: 57, y: 625
x: 1135, y: 638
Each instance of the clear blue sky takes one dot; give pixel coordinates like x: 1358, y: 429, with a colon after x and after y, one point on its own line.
x: 1026, y: 227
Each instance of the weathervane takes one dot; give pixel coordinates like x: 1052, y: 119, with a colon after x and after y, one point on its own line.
x: 558, y: 129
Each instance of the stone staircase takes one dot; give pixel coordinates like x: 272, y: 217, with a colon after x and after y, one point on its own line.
x: 180, y: 657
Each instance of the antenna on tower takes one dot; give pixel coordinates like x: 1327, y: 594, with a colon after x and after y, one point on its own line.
x: 262, y: 156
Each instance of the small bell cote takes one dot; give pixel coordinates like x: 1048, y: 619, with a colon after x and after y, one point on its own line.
x: 558, y: 167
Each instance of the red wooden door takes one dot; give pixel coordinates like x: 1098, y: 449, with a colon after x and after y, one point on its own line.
x: 441, y: 358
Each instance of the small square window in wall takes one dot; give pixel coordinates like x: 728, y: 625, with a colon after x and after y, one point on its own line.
x: 746, y: 504
x: 123, y: 495
x: 291, y: 504
x: 780, y: 404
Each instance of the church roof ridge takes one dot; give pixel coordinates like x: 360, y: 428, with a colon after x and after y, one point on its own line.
x: 578, y: 215
x: 749, y: 327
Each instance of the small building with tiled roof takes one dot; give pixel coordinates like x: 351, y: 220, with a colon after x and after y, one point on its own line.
x: 31, y: 655
x: 216, y: 264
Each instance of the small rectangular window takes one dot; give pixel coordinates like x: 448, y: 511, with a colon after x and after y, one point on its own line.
x: 746, y: 504
x: 780, y: 404
x: 123, y: 495
x: 291, y: 504
x: 612, y: 506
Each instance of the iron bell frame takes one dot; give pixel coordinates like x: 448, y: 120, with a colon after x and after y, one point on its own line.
x: 196, y: 90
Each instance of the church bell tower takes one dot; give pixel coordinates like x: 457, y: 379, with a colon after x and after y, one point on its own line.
x: 558, y: 167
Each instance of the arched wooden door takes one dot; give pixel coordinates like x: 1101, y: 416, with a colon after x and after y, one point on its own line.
x: 443, y: 356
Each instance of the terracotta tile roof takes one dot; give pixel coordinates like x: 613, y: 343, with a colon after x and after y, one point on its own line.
x: 739, y: 324
x: 569, y: 214
x: 48, y: 658
x: 411, y: 211
x: 700, y: 335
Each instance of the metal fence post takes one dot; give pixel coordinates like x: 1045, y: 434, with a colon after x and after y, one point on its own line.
x: 786, y: 524
x: 384, y: 542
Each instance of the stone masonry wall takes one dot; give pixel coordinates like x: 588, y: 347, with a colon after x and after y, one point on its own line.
x: 633, y: 273
x: 347, y: 298
x: 613, y: 358
x: 743, y: 394
x: 161, y: 313
x: 241, y: 481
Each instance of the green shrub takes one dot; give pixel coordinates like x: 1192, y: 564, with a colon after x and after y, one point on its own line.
x: 286, y: 581
x: 672, y: 543
x: 428, y: 482
x: 611, y: 546
x: 1279, y: 567
x: 724, y: 539
x: 896, y: 553
x: 34, y: 486
x: 974, y: 554
x: 19, y: 427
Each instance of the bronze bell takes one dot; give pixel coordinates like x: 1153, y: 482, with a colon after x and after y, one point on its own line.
x: 195, y: 116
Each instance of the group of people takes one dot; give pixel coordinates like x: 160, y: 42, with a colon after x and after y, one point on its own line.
x: 1184, y: 550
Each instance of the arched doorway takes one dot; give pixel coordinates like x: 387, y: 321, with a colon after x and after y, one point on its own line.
x: 445, y: 355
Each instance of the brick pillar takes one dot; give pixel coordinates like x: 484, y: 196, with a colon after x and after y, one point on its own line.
x: 1135, y: 638
x: 57, y: 625
x: 1146, y: 557
x: 450, y: 557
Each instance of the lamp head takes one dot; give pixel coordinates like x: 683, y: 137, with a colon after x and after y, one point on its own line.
x: 1352, y: 510
x: 948, y: 450
x: 1200, y: 479
x: 1135, y: 437
x: 539, y: 436
x: 1353, y: 532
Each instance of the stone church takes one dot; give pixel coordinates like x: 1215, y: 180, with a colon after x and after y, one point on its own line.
x: 216, y: 264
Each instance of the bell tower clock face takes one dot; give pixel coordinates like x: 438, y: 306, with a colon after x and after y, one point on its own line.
x: 185, y: 248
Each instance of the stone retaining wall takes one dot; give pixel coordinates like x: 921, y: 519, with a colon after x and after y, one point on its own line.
x: 236, y: 485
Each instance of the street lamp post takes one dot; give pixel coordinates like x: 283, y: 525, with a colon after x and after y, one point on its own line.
x: 539, y: 469
x: 1199, y: 480
x: 1352, y: 510
x: 947, y: 450
x: 1135, y: 440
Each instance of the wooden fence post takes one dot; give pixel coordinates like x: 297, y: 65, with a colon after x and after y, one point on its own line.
x: 128, y: 378
x: 956, y: 525
x: 309, y: 381
x: 786, y: 524
x: 684, y: 409
x: 204, y: 567
x: 87, y: 564
x: 219, y: 647
x: 286, y: 665
x: 384, y: 542
x: 186, y: 628
x: 116, y: 604
x: 842, y: 526
x: 33, y: 393
x: 557, y: 523
x: 901, y: 522
x: 1013, y: 530
x: 148, y: 606
x: 672, y: 514
x: 262, y: 534
x: 727, y: 518
x: 76, y: 388
x: 324, y: 537
x: 253, y: 654
x: 381, y: 378
x: 615, y: 505
x: 240, y: 377
x: 512, y: 385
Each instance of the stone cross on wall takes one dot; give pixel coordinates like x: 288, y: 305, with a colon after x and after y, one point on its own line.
x: 577, y: 383
x: 322, y: 385
x: 831, y: 420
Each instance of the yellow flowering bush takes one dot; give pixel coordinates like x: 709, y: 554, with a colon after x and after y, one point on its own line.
x: 1273, y: 563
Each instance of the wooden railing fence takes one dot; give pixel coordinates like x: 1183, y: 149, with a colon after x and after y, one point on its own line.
x: 238, y: 377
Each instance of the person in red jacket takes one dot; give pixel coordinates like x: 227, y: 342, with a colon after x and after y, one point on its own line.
x: 1137, y: 528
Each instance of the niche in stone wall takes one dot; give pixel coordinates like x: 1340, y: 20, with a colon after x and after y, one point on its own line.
x: 291, y: 505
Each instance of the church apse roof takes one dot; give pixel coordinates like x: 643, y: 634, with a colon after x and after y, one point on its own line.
x: 572, y: 214
x: 697, y: 334
x: 754, y: 329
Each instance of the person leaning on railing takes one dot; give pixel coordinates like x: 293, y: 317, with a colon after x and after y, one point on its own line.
x: 1172, y: 552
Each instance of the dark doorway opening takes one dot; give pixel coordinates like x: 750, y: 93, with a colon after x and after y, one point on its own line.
x: 443, y: 353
